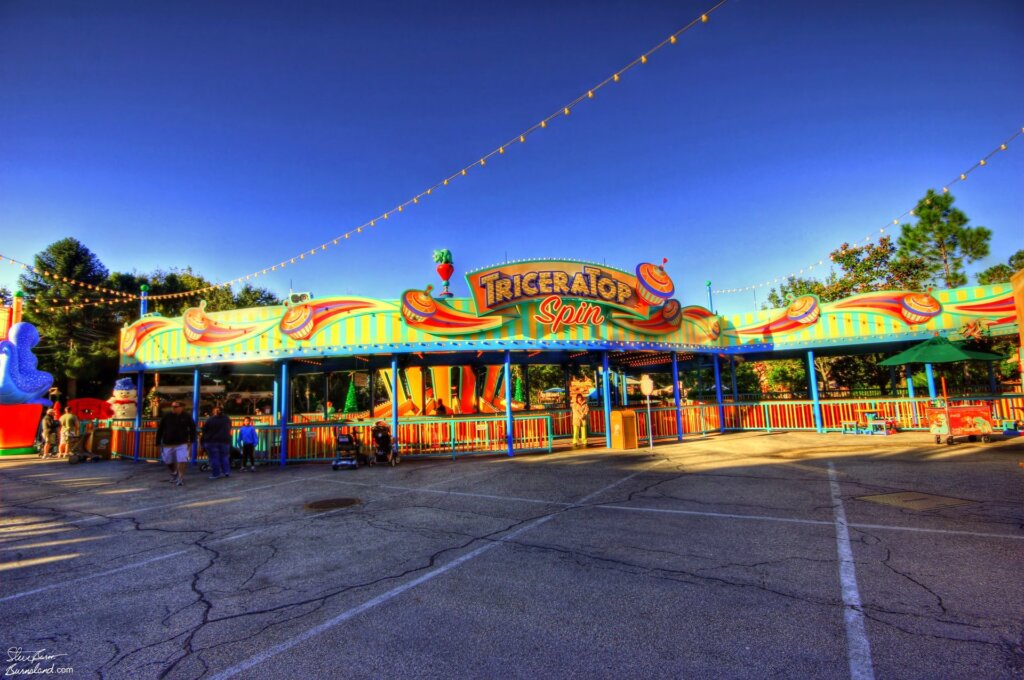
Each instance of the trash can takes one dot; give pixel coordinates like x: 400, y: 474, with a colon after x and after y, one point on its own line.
x: 99, y: 443
x: 624, y: 430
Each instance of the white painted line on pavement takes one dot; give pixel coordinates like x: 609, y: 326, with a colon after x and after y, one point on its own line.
x: 819, y: 522
x: 858, y: 649
x: 66, y: 582
x: 395, y: 592
x: 452, y: 493
x: 191, y: 500
x: 158, y: 558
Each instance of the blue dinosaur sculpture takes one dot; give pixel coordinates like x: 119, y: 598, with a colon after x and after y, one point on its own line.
x: 20, y: 381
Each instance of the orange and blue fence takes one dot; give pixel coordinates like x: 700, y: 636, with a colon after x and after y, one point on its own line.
x: 537, y: 431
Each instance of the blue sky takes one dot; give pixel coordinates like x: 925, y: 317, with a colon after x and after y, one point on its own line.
x: 227, y: 136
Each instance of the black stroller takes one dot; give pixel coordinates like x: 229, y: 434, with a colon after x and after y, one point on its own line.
x: 346, y: 452
x: 382, y: 450
x: 234, y: 460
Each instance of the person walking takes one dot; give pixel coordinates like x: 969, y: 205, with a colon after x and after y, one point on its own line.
x: 249, y: 438
x: 580, y: 413
x: 216, y: 438
x: 175, y: 435
x: 50, y: 434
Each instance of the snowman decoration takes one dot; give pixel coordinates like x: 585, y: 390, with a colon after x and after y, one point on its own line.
x: 123, y: 401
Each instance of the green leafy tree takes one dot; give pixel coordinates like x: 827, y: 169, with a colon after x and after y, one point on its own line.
x: 943, y: 239
x: 1001, y: 273
x: 5, y: 296
x: 856, y: 269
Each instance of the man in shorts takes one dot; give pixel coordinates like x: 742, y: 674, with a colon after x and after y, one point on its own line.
x: 50, y: 434
x: 174, y: 436
x: 69, y: 436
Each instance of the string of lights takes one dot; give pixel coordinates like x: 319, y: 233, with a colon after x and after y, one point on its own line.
x: 563, y: 111
x: 962, y: 177
x: 46, y: 274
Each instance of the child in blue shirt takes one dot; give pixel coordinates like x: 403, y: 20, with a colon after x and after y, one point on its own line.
x: 249, y: 438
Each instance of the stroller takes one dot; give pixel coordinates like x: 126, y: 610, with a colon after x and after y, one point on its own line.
x: 346, y: 450
x: 382, y: 450
x: 234, y: 459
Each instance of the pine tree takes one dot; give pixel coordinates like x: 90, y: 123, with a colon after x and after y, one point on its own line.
x: 75, y: 344
x: 942, y: 238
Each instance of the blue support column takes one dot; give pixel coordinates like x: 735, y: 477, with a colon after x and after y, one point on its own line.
x: 140, y: 395
x: 509, y: 425
x: 285, y: 393
x: 909, y: 375
x: 625, y: 389
x: 607, y: 400
x: 732, y: 373
x: 718, y: 394
x: 813, y: 381
x: 676, y: 396
x: 394, y: 403
x: 931, y: 380
x: 195, y: 411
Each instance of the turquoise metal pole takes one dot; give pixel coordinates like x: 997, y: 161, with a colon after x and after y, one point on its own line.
x: 910, y: 390
x: 394, y: 404
x: 285, y: 410
x: 327, y: 392
x: 607, y: 400
x: 931, y: 380
x: 140, y: 395
x: 625, y: 388
x: 676, y: 395
x: 718, y: 394
x: 195, y: 411
x: 275, y: 407
x: 813, y: 380
x: 509, y: 432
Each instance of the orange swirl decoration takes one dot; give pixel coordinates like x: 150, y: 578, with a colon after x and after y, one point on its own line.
x: 195, y: 324
x: 298, y: 322
x: 919, y: 307
x: 653, y: 285
x: 418, y: 306
x: 129, y: 341
x: 804, y: 310
x: 672, y: 311
x: 133, y: 336
x: 199, y: 329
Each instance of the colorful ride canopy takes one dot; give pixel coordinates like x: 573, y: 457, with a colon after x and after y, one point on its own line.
x: 560, y: 305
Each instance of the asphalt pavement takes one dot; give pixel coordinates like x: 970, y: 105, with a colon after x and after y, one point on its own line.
x: 752, y: 555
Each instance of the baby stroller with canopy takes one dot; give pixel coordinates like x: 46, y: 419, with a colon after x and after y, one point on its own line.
x: 382, y: 449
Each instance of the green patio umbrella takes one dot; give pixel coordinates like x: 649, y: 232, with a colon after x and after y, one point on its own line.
x: 937, y: 350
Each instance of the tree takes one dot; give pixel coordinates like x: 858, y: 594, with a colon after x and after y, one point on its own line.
x: 1001, y: 273
x: 5, y: 296
x: 861, y: 269
x: 75, y: 344
x: 942, y: 238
